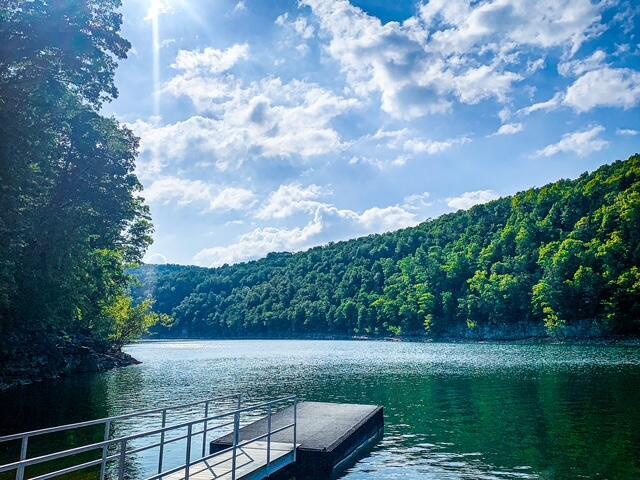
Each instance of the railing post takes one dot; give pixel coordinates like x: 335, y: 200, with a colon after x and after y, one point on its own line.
x: 295, y: 426
x: 105, y: 449
x: 239, y: 400
x: 161, y: 454
x: 204, y: 430
x: 269, y: 439
x: 123, y: 454
x: 236, y: 427
x: 188, y: 455
x: 23, y: 456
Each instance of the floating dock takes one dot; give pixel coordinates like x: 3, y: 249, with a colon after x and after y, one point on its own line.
x: 305, y: 440
x: 329, y: 437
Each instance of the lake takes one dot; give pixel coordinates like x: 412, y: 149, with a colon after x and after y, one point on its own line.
x: 452, y: 411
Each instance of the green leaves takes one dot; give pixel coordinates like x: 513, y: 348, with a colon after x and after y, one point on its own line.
x: 552, y: 258
x: 129, y: 322
x: 72, y: 219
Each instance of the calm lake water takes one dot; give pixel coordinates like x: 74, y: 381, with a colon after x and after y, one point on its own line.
x: 452, y: 411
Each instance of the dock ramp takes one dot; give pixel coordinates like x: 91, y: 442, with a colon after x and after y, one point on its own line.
x: 275, y: 438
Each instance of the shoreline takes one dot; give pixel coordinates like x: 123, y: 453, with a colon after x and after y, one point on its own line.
x: 29, y: 358
x: 611, y: 340
x: 83, y: 355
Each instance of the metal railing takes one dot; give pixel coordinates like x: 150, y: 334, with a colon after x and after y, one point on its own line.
x: 120, y: 444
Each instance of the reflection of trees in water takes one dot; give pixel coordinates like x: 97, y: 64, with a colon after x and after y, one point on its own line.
x: 561, y: 421
x: 557, y: 421
x: 47, y: 404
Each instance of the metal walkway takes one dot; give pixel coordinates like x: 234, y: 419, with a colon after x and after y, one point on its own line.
x: 254, y: 458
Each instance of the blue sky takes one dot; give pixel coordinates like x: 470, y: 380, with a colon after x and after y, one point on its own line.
x: 280, y: 125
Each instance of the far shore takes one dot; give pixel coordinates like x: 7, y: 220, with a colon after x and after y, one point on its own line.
x: 611, y: 340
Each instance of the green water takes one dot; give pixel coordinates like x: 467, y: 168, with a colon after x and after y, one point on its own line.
x: 452, y: 411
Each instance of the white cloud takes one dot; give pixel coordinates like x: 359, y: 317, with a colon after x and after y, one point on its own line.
x: 508, y: 129
x: 258, y: 243
x: 210, y: 59
x: 551, y: 104
x: 627, y: 132
x: 581, y: 143
x: 544, y: 24
x: 395, y: 148
x: 469, y: 199
x: 327, y: 223
x: 240, y: 6
x: 417, y: 202
x: 605, y: 87
x: 432, y: 147
x: 231, y: 198
x: 300, y: 25
x: 155, y: 259
x: 259, y: 118
x: 186, y: 192
x: 452, y: 50
x: 267, y: 119
x: 289, y: 199
x: 600, y: 87
x: 579, y: 66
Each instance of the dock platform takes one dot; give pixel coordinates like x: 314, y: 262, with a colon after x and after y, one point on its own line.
x: 304, y: 440
x: 251, y: 463
x: 330, y: 436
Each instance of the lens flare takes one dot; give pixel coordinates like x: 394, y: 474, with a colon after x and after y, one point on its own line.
x: 156, y: 8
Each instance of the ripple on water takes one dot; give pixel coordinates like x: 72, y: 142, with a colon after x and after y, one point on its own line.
x: 452, y: 411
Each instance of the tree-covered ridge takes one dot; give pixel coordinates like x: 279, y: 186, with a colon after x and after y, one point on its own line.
x: 72, y: 217
x: 552, y: 257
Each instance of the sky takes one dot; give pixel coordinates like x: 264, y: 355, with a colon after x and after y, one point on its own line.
x: 281, y: 125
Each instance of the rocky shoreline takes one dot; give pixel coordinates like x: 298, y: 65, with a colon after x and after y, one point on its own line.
x: 28, y: 358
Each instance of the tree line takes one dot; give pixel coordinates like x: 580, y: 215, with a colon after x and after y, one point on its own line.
x: 72, y: 218
x: 553, y: 258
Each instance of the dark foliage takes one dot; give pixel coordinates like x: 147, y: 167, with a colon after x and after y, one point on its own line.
x: 71, y: 216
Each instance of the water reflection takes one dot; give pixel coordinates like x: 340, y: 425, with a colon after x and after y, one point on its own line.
x: 451, y: 410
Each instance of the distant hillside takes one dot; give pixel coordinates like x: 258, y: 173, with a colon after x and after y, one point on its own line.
x: 562, y: 259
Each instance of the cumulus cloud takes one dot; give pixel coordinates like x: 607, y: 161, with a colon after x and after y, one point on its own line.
x: 289, y: 199
x: 258, y: 243
x: 417, y: 201
x: 327, y: 223
x: 469, y: 199
x: 248, y: 119
x: 185, y: 192
x: 579, y: 66
x: 155, y: 259
x: 452, y: 50
x: 605, y: 87
x: 600, y: 87
x: 300, y: 25
x: 508, y: 129
x: 210, y: 59
x: 394, y: 148
x: 581, y: 143
x: 544, y: 24
x: 268, y: 119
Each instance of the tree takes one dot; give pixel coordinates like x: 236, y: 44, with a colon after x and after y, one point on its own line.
x: 72, y: 219
x: 563, y: 255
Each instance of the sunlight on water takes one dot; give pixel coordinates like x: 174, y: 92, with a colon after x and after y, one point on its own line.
x: 453, y: 411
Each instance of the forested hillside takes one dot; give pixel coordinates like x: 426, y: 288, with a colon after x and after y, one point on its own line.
x: 553, y: 258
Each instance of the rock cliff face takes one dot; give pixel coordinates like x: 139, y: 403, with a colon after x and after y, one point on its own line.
x: 27, y: 358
